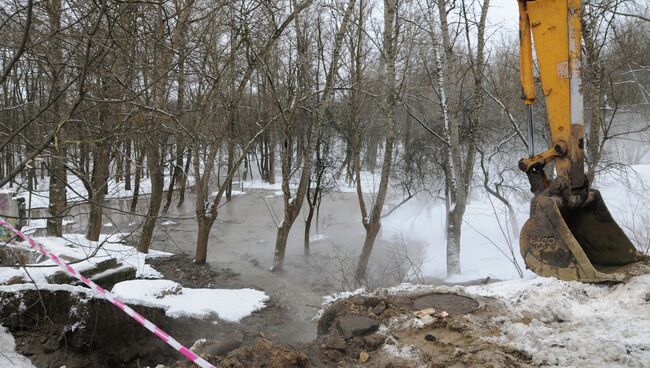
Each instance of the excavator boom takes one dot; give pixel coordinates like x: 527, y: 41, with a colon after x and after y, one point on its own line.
x: 570, y: 233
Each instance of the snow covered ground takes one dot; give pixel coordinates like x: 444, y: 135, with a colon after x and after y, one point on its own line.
x: 76, y: 246
x: 8, y: 356
x: 229, y: 304
x: 76, y: 192
x: 559, y: 323
x: 36, y: 224
x: 570, y: 324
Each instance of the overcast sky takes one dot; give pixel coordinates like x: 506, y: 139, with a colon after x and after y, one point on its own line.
x: 504, y: 15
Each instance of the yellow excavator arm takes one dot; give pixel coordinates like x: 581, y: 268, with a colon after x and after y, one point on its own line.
x: 570, y: 233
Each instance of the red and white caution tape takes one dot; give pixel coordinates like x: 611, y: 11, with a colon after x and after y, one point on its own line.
x: 187, y: 353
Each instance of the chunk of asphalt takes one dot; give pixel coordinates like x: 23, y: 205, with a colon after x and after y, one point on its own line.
x: 350, y: 325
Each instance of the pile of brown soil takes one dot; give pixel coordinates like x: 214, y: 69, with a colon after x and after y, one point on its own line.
x: 414, y: 329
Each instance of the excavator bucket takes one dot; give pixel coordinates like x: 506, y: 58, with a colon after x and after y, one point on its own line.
x: 582, y: 244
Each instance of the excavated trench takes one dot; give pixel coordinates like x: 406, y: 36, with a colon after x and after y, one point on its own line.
x: 62, y: 328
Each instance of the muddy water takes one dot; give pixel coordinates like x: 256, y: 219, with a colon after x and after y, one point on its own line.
x: 243, y: 240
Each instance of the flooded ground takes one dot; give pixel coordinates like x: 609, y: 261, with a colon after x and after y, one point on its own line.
x: 242, y: 241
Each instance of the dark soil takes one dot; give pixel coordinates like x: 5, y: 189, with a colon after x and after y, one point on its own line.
x: 181, y: 269
x: 452, y: 339
x: 56, y: 328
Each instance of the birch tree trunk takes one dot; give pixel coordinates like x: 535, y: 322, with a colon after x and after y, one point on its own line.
x: 458, y: 171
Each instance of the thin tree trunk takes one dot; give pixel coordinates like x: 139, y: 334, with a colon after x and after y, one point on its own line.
x: 183, y: 179
x: 231, y: 161
x: 372, y: 223
x: 127, y: 166
x: 308, y: 220
x: 155, y: 199
x: 139, y: 162
x: 310, y: 216
x: 176, y: 175
x: 271, y: 159
x: 99, y: 181
x: 119, y: 164
x: 281, y: 239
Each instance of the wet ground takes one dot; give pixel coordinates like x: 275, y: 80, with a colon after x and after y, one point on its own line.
x: 243, y: 240
x: 242, y: 243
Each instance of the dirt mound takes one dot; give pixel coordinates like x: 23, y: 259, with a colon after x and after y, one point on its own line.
x: 413, y: 329
x: 264, y: 354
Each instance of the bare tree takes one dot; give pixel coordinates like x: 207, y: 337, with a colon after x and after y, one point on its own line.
x: 372, y: 219
x: 292, y: 205
x: 207, y: 212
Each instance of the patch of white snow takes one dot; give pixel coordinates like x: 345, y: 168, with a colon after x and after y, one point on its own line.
x: 9, y: 358
x: 575, y: 324
x: 229, y: 304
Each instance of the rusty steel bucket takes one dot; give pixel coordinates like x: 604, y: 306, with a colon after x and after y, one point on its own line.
x: 582, y: 244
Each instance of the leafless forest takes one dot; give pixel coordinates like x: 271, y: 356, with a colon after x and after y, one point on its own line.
x: 308, y: 94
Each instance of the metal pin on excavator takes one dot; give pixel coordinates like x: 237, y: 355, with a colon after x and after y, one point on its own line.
x: 570, y: 233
